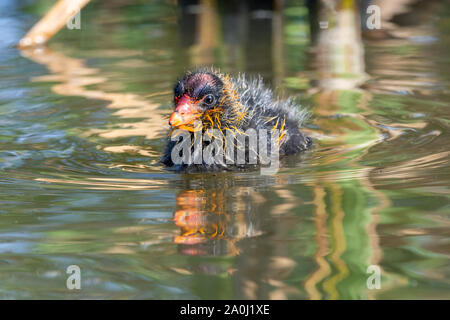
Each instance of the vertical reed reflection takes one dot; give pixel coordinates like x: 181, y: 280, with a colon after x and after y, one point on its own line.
x: 236, y: 35
x: 346, y: 234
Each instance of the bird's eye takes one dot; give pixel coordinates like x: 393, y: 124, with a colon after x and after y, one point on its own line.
x: 209, y: 99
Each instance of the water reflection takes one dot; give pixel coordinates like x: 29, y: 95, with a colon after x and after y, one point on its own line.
x: 73, y: 79
x: 211, y: 222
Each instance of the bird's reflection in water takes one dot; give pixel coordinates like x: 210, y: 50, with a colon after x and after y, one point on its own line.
x: 213, y: 221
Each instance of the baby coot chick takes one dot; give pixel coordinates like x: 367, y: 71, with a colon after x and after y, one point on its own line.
x: 206, y: 99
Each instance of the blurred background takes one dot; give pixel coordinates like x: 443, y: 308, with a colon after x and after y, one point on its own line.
x: 83, y: 122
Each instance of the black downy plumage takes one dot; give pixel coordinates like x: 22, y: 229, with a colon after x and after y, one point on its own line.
x: 233, y: 105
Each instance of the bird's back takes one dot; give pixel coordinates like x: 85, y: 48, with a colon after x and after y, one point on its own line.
x: 267, y: 112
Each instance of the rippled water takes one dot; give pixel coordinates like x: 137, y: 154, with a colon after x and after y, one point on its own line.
x: 83, y: 122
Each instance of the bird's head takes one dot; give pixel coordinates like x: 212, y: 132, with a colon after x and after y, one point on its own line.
x: 204, y: 96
